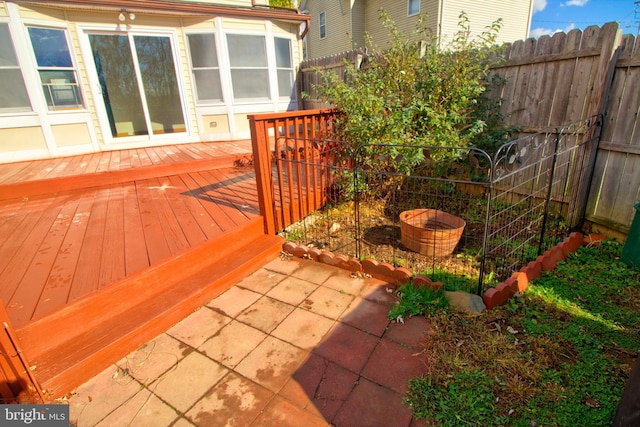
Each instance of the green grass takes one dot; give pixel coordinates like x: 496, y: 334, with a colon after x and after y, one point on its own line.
x: 414, y: 301
x: 558, y: 355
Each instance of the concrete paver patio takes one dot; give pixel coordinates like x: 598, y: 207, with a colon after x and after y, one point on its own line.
x: 295, y: 344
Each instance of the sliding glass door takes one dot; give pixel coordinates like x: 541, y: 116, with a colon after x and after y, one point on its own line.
x: 138, y: 84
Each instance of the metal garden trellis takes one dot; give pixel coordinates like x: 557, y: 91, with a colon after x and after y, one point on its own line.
x: 516, y: 204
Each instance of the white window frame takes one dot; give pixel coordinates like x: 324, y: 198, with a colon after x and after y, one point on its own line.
x: 82, y: 105
x: 221, y: 65
x: 322, y: 27
x: 413, y: 2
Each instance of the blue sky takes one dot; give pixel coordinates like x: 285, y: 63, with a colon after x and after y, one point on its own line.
x: 550, y: 16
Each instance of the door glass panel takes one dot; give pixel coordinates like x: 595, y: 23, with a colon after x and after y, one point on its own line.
x: 120, y: 91
x: 160, y: 83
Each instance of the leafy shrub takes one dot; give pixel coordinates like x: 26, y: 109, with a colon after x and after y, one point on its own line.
x: 415, y: 94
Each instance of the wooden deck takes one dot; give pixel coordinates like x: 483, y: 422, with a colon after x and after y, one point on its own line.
x: 88, y: 243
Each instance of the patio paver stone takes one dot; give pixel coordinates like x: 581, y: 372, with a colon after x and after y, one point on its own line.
x: 154, y: 358
x: 235, y: 401
x: 368, y: 316
x: 391, y: 365
x: 292, y: 290
x: 265, y: 314
x: 189, y: 381
x: 327, y: 302
x: 198, y: 326
x: 281, y: 413
x: 142, y: 410
x: 314, y: 272
x: 271, y: 363
x: 347, y: 346
x: 226, y: 346
x: 262, y: 281
x: 413, y: 332
x: 373, y: 406
x: 316, y: 350
x: 233, y: 301
x: 303, y: 328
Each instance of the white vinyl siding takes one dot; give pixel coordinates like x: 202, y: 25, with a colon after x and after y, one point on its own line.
x: 514, y: 14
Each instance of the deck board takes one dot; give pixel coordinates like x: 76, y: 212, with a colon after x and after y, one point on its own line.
x: 58, y: 285
x: 135, y: 249
x: 24, y: 250
x: 112, y: 264
x: 87, y: 273
x: 24, y: 300
x: 59, y: 247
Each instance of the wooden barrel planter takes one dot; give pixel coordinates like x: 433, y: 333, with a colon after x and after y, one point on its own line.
x: 430, y: 232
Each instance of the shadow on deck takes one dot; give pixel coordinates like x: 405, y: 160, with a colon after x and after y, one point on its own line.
x: 100, y: 253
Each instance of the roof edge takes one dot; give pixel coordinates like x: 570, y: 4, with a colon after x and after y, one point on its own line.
x: 181, y: 6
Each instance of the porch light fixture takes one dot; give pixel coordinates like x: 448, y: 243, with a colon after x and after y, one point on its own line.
x: 123, y: 15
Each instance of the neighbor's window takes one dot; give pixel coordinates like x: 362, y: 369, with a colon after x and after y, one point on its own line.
x: 204, y: 67
x: 248, y: 63
x: 56, y: 69
x: 414, y: 7
x: 13, y: 92
x: 323, y: 25
x: 284, y: 64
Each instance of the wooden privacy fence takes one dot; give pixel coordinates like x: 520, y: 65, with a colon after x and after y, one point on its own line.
x: 300, y: 191
x: 560, y: 79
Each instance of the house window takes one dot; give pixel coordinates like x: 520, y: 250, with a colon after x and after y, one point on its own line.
x: 284, y: 65
x: 248, y: 65
x: 414, y: 7
x: 13, y: 92
x: 204, y: 67
x: 56, y: 69
x: 323, y: 25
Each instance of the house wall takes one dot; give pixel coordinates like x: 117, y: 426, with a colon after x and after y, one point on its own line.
x: 358, y: 22
x: 44, y: 133
x: 338, y: 24
x: 441, y: 17
x: 397, y: 10
x: 515, y: 14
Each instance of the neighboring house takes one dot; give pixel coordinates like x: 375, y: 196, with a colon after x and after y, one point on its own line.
x: 79, y: 76
x: 340, y: 25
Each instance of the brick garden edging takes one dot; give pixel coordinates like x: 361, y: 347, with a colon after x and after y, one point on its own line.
x: 380, y: 270
x: 519, y: 281
x: 493, y: 297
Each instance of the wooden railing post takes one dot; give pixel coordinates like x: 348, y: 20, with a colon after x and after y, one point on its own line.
x: 262, y: 165
x: 17, y: 384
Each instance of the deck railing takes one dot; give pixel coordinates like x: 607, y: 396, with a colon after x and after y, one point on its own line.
x: 17, y: 384
x: 301, y: 190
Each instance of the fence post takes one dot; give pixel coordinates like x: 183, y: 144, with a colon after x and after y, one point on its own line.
x: 611, y: 37
x: 262, y: 165
x: 547, y: 204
